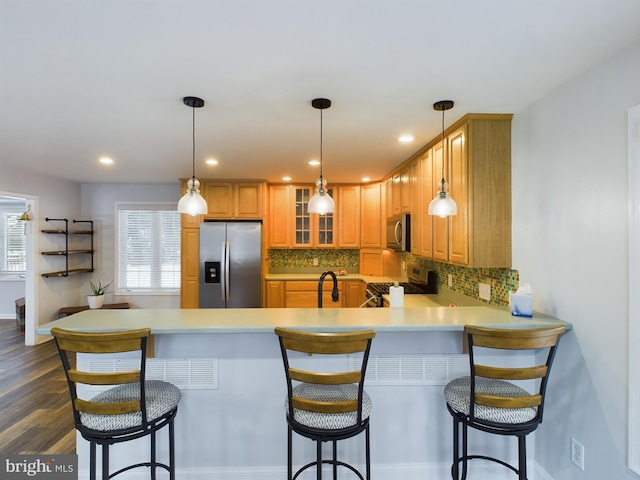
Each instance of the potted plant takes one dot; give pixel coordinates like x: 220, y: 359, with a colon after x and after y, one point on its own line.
x: 96, y: 299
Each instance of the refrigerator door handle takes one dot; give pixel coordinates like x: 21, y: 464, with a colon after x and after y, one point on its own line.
x: 226, y: 270
x: 223, y: 268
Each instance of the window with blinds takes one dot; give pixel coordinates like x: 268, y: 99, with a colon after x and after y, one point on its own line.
x: 148, y: 249
x: 13, y: 245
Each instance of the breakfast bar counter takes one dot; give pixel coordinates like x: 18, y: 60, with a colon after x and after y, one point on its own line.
x: 264, y: 320
x: 227, y: 364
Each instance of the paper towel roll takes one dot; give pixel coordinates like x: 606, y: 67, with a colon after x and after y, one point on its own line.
x: 396, y: 297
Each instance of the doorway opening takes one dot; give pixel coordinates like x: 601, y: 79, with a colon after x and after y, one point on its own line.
x: 18, y: 274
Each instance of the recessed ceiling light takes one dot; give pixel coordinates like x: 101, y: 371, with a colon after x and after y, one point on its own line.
x: 211, y: 161
x: 406, y: 138
x: 314, y: 163
x: 106, y: 161
x: 286, y: 179
x: 366, y: 179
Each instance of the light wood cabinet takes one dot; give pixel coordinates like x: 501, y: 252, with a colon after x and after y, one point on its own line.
x: 477, y: 152
x: 281, y: 216
x: 231, y: 199
x: 371, y: 216
x: 304, y: 294
x: 371, y: 262
x: 427, y: 190
x: 459, y: 189
x: 416, y: 204
x: 348, y: 208
x: 405, y: 191
x: 274, y: 294
x: 396, y: 194
x: 388, y: 199
x: 189, y: 267
x: 354, y: 295
x: 440, y: 225
x: 290, y: 224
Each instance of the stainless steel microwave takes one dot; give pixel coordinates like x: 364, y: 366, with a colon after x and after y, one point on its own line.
x: 398, y: 233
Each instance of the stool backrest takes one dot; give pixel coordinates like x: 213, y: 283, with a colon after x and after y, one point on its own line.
x: 512, y: 339
x: 326, y: 344
x: 69, y: 341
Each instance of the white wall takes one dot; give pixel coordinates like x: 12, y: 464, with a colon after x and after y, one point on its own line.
x: 570, y: 230
x: 50, y: 197
x: 98, y: 204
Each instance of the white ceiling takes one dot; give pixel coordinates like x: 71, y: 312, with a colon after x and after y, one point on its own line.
x: 80, y: 79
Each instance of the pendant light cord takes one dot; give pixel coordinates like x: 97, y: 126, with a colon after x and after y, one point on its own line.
x: 193, y: 155
x: 443, y: 149
x: 320, y: 143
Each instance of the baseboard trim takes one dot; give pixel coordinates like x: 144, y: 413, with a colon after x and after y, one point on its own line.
x: 411, y: 471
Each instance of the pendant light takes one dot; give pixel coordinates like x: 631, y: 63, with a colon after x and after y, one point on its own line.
x: 321, y: 202
x: 192, y: 202
x: 443, y: 205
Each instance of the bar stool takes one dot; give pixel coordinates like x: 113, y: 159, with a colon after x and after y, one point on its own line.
x: 489, y: 401
x: 326, y: 406
x: 131, y: 408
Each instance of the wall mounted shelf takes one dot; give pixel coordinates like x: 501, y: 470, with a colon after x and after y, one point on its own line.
x: 66, y: 252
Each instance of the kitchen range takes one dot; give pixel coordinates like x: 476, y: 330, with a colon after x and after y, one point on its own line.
x: 420, y: 282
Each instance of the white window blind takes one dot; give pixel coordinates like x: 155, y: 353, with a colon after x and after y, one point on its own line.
x: 13, y: 245
x: 148, y: 259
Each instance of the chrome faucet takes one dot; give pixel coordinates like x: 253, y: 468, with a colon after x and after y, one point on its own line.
x: 334, y: 292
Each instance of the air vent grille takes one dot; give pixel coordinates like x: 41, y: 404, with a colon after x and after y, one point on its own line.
x: 413, y: 369
x: 184, y: 373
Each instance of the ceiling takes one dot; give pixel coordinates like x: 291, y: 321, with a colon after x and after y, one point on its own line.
x: 82, y: 79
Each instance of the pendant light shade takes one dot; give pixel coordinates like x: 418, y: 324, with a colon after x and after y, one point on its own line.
x: 321, y: 202
x: 443, y: 205
x: 192, y: 202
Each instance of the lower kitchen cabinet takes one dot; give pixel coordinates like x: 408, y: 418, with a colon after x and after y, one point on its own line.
x: 304, y: 293
x: 274, y: 293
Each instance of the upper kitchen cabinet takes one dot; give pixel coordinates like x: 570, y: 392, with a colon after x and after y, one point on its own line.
x: 290, y: 223
x: 371, y: 221
x: 280, y: 218
x: 478, y: 157
x: 348, y: 207
x: 232, y: 199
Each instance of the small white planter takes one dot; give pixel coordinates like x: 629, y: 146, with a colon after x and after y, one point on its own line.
x: 95, y: 301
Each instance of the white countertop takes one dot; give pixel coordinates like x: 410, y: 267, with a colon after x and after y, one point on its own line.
x: 264, y: 320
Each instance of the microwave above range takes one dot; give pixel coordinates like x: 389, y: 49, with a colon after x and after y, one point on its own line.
x: 399, y: 232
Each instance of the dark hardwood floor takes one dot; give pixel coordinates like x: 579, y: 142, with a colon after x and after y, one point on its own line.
x: 35, y: 407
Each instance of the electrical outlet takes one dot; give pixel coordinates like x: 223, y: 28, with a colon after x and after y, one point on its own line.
x: 577, y: 453
x: 450, y: 280
x: 484, y: 291
x: 315, y: 261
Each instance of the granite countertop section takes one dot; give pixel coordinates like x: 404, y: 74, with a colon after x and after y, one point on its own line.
x: 264, y: 320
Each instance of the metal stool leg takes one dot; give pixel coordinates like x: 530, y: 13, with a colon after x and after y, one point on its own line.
x: 522, y: 457
x: 289, y: 454
x: 105, y: 461
x: 172, y: 451
x: 319, y: 459
x: 92, y: 461
x: 153, y: 456
x: 335, y: 460
x: 367, y: 453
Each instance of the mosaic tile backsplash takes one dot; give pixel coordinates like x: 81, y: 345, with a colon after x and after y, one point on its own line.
x: 465, y: 280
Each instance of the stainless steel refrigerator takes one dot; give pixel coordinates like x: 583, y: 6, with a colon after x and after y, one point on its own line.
x: 230, y: 264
